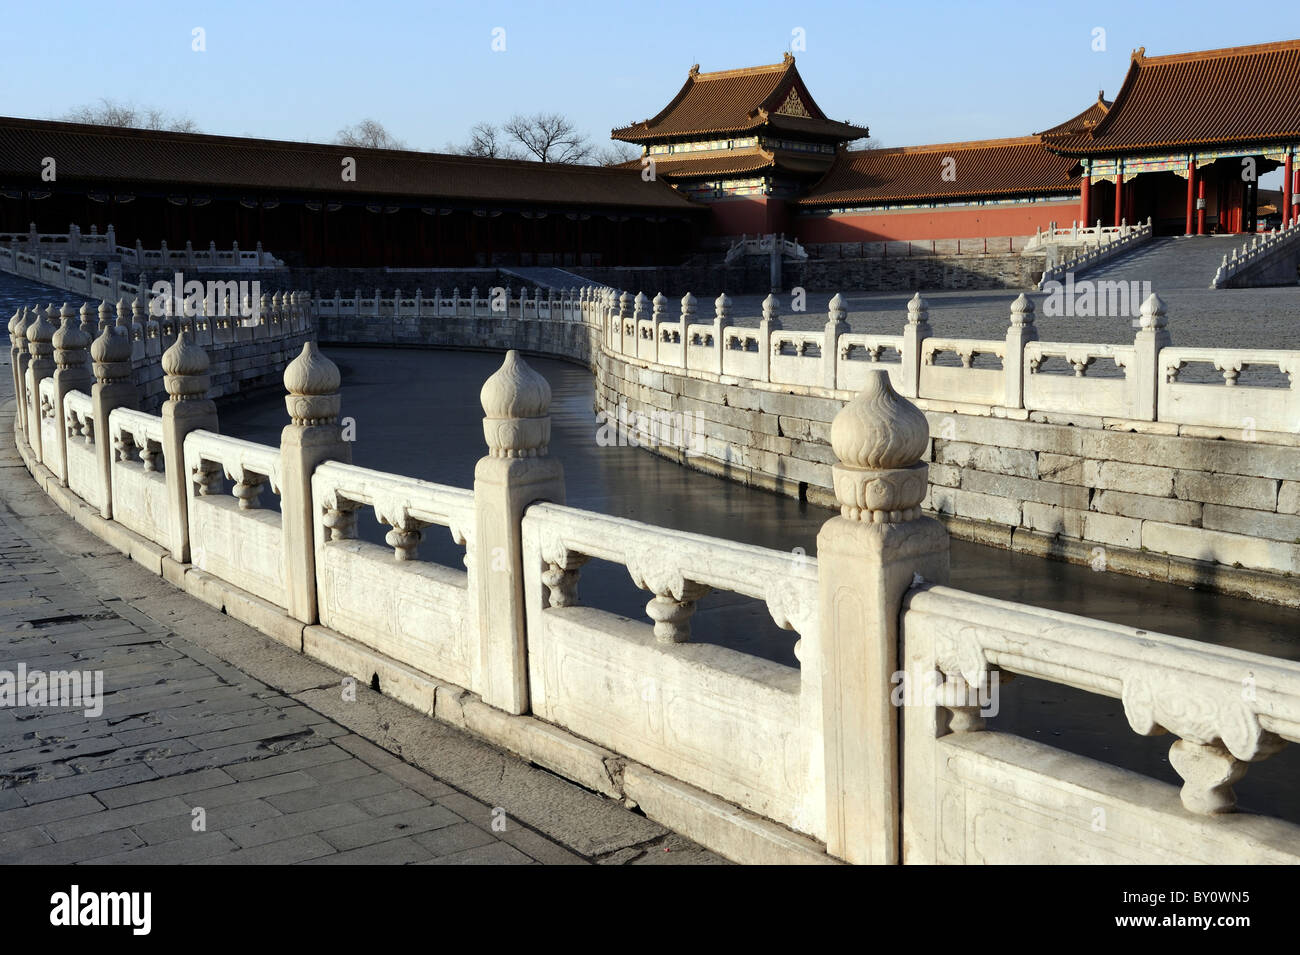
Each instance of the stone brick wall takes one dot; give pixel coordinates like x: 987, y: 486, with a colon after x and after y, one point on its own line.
x: 1218, y: 513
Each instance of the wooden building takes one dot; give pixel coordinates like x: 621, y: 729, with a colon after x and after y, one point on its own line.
x: 399, y: 208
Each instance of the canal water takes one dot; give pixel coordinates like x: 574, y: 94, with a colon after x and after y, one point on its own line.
x: 417, y: 413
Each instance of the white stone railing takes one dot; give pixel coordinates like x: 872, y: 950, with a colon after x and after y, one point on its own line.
x: 91, y: 246
x: 704, y: 714
x: 419, y: 613
x: 1227, y: 708
x: 81, y: 462
x: 766, y: 245
x: 1077, y: 234
x: 1115, y: 243
x: 232, y: 536
x: 138, y: 490
x: 1253, y: 251
x: 765, y: 354
x: 1226, y: 404
x: 763, y: 761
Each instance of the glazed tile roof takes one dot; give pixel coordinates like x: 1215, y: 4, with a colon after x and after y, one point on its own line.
x: 733, y: 101
x: 1235, y: 95
x: 1081, y: 123
x: 732, y: 162
x: 987, y: 168
x: 186, y: 160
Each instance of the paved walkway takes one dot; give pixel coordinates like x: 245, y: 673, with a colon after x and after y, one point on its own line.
x: 203, y: 713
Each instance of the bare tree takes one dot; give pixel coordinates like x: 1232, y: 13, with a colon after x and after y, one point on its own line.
x: 109, y: 112
x: 870, y: 142
x: 369, y: 133
x: 615, y: 153
x: 487, y: 141
x: 549, y: 137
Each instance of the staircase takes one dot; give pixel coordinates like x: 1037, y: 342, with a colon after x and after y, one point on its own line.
x: 547, y: 277
x: 1169, y: 263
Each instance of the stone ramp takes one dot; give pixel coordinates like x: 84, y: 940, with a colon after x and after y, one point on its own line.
x: 548, y: 277
x: 1169, y: 263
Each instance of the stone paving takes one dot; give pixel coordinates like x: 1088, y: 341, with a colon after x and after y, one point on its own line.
x: 202, y: 712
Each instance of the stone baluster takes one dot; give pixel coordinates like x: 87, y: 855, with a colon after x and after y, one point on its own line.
x: 312, y: 436
x: 147, y: 328
x: 188, y: 408
x: 721, y: 322
x: 915, y: 332
x: 40, y: 366
x: 867, y: 558
x: 640, y: 312
x: 515, y: 473
x: 419, y: 304
x: 88, y: 325
x: 686, y: 318
x: 836, y: 325
x: 660, y: 306
x: 113, y: 388
x: 18, y: 363
x: 71, y: 373
x: 626, y: 326
x: 1020, y: 332
x: 769, y: 323
x: 105, y: 317
x: 1151, y: 337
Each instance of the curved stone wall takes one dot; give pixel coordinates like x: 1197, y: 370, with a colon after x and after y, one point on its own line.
x: 1184, y: 504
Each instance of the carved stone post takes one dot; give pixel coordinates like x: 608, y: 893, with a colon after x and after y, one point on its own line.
x: 71, y: 373
x: 866, y: 560
x: 660, y: 309
x: 721, y: 321
x: 312, y: 436
x: 626, y: 327
x: 687, y: 316
x: 915, y: 332
x: 1020, y: 332
x: 40, y: 365
x: 113, y: 388
x: 836, y: 325
x: 188, y: 408
x: 1152, y: 335
x: 515, y: 473
x: 18, y: 364
x: 769, y: 323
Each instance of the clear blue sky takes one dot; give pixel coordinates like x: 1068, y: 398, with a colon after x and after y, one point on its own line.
x: 913, y: 72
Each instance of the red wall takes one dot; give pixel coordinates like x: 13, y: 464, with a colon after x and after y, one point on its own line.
x: 967, y: 223
x: 749, y: 215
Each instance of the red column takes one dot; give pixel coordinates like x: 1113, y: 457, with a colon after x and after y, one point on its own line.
x: 1295, y: 190
x: 1119, y: 197
x: 1191, y: 195
x: 1085, y: 200
x: 1286, y: 192
x: 1200, y: 211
